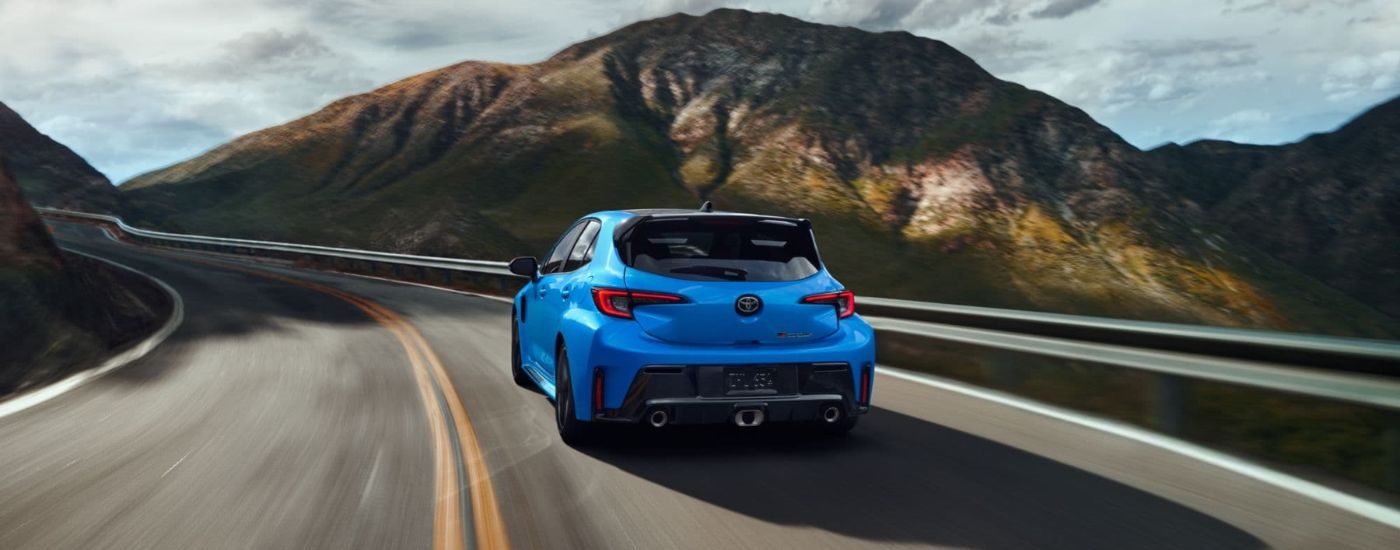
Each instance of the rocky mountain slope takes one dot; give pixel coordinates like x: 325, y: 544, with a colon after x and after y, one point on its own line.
x: 60, y: 312
x: 926, y: 176
x: 50, y: 173
x: 1328, y: 205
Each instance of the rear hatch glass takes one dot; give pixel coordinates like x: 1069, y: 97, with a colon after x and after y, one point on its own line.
x: 723, y: 249
x: 715, y: 261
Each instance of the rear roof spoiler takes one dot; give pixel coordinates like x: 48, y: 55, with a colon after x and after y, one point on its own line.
x: 625, y: 227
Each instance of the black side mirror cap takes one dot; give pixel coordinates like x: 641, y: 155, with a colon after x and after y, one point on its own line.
x: 525, y: 266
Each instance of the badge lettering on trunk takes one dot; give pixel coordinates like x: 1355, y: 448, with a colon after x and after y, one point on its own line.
x: 748, y: 304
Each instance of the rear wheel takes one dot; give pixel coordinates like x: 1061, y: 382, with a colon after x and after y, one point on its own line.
x: 517, y: 369
x: 572, y: 430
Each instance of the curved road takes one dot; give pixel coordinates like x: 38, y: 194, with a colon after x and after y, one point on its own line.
x: 280, y: 416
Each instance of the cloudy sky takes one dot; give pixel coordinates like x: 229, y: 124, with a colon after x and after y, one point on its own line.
x: 134, y: 85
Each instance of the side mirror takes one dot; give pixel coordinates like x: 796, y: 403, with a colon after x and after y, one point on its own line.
x: 525, y: 266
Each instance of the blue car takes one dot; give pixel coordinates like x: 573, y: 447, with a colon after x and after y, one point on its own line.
x: 662, y: 317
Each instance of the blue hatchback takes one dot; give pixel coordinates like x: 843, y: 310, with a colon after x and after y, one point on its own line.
x: 690, y: 317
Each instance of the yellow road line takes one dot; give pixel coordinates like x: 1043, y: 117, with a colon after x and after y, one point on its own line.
x: 448, y: 531
x: 486, y: 515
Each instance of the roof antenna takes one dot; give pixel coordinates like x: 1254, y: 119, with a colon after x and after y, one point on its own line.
x: 707, y: 207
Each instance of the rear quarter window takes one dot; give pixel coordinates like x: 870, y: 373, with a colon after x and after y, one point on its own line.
x: 723, y: 249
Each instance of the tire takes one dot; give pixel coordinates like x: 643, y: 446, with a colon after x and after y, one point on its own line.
x: 573, y: 431
x: 517, y: 369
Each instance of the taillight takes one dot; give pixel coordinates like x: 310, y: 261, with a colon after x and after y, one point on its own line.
x: 844, y: 300
x: 619, y: 303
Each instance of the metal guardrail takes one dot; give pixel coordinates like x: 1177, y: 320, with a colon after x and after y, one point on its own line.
x: 474, y: 266
x: 1365, y: 390
x: 1306, y: 350
x: 1358, y: 371
x: 1265, y: 349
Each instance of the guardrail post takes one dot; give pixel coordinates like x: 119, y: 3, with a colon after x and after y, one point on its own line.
x: 1169, y: 403
x: 447, y: 276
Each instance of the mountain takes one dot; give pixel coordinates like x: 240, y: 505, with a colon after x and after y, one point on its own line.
x: 58, y: 312
x: 50, y: 173
x: 925, y: 176
x: 24, y: 243
x: 1328, y: 205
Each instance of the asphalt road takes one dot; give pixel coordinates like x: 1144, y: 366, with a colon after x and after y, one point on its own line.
x: 280, y: 416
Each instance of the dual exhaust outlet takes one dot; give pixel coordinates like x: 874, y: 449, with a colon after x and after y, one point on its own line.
x: 747, y: 418
x: 658, y: 418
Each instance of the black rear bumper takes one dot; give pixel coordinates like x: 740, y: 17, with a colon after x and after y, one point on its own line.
x: 695, y: 394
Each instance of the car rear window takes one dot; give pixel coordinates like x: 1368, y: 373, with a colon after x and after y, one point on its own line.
x: 723, y: 249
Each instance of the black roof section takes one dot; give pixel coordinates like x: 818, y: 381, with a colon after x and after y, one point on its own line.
x: 624, y: 229
x: 655, y: 211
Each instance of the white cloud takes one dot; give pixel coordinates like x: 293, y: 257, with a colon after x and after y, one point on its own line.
x: 1004, y: 51
x: 1159, y: 72
x: 1162, y: 75
x: 1355, y: 76
x: 1056, y: 9
x: 137, y: 84
x: 1293, y: 7
x: 1242, y: 119
x: 917, y: 15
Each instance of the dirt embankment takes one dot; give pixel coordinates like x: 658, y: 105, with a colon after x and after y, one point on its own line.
x: 62, y: 312
x: 73, y: 319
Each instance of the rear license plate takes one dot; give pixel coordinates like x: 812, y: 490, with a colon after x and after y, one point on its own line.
x: 750, y: 380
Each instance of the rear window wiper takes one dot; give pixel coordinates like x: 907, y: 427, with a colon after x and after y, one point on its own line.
x: 731, y: 273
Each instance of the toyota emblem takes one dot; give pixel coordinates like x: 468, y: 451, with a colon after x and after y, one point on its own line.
x: 748, y: 304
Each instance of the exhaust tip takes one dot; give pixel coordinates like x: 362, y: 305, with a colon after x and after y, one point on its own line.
x: 749, y: 417
x: 831, y: 414
x: 658, y: 418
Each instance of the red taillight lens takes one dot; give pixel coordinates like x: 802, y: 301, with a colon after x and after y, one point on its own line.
x: 613, y: 302
x: 844, y: 300
x: 619, y: 303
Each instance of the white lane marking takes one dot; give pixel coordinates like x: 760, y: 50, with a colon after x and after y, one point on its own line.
x: 177, y: 315
x: 175, y: 465
x: 1362, y: 507
x: 1332, y: 497
x: 369, y: 483
x: 1365, y: 508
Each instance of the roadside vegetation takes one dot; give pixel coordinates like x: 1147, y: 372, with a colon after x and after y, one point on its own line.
x: 61, y: 312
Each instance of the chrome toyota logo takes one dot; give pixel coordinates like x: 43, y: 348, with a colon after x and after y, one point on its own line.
x: 748, y: 304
